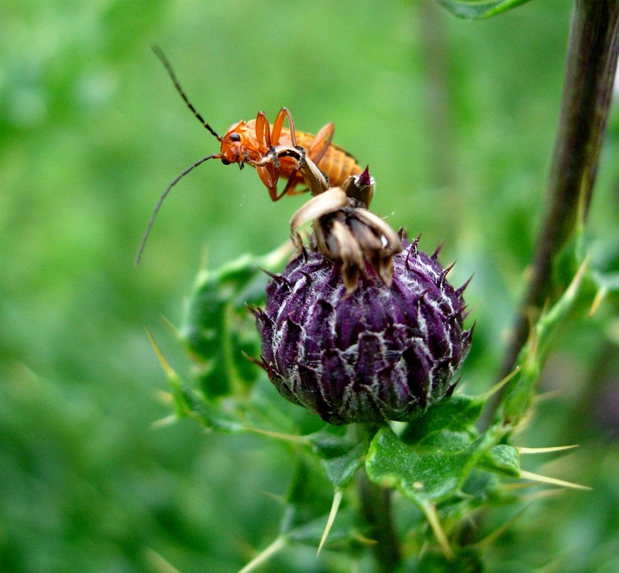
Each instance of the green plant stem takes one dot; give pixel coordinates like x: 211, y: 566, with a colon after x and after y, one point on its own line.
x: 590, y: 69
x: 376, y: 509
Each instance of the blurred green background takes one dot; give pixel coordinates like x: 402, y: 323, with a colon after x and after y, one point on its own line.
x: 457, y: 123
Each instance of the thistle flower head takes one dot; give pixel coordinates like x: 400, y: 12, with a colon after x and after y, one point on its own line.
x: 380, y: 352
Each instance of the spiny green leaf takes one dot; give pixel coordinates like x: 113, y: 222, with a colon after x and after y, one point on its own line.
x: 189, y: 404
x: 428, y: 476
x: 478, y: 9
x: 448, y: 441
x: 214, y: 417
x: 308, y: 498
x: 341, y: 454
x: 421, y: 475
x: 502, y: 459
x: 218, y: 330
x: 519, y: 390
x: 456, y: 413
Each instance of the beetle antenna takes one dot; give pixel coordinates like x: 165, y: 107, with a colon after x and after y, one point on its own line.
x: 159, y: 53
x: 163, y: 196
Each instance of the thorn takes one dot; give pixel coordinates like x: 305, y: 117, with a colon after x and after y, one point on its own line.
x: 410, y: 252
x: 515, y: 486
x: 460, y: 290
x: 413, y: 246
x: 599, y: 297
x: 278, y: 278
x: 473, y: 309
x: 468, y: 334
x: 270, y: 368
x: 280, y: 436
x: 164, y: 422
x: 170, y: 373
x: 553, y: 481
x: 171, y: 327
x: 541, y: 494
x: 457, y: 314
x: 434, y: 255
x: 444, y: 273
x: 337, y: 498
x: 544, y: 396
x: 490, y: 538
x: 272, y: 549
x: 435, y: 524
x: 523, y: 450
x: 259, y: 314
x: 308, y: 277
x: 502, y: 383
x: 451, y: 389
x: 158, y: 563
x: 165, y: 398
x: 261, y: 363
x: 570, y: 293
x: 303, y: 253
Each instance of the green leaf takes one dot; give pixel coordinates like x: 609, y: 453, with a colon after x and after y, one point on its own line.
x: 422, y: 475
x: 479, y: 9
x: 519, y: 390
x: 448, y: 441
x: 219, y: 331
x: 456, y: 414
x: 341, y: 454
x: 189, y: 404
x: 308, y: 498
x: 216, y: 418
x: 429, y: 475
x: 501, y: 459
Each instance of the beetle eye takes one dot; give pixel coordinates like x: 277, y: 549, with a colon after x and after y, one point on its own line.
x: 225, y: 161
x: 234, y: 137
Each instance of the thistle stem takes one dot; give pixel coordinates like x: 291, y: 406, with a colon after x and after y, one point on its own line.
x: 590, y: 69
x: 376, y: 509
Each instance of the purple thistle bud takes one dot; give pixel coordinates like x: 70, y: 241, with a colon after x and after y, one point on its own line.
x: 377, y: 353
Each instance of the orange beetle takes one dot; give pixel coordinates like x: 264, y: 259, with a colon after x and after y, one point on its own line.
x: 255, y: 141
x: 250, y: 142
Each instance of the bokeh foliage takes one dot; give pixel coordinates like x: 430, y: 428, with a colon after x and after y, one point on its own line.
x: 457, y: 122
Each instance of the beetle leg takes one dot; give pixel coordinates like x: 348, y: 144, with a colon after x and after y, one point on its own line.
x: 314, y: 178
x: 263, y: 131
x: 278, y: 125
x: 265, y: 176
x: 274, y: 157
x: 293, y: 133
x: 269, y: 172
x: 301, y: 164
x: 324, y: 138
x: 290, y: 188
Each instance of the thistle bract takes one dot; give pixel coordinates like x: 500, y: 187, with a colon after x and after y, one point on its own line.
x: 378, y: 353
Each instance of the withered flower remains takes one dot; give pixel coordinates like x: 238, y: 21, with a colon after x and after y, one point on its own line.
x: 361, y: 326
